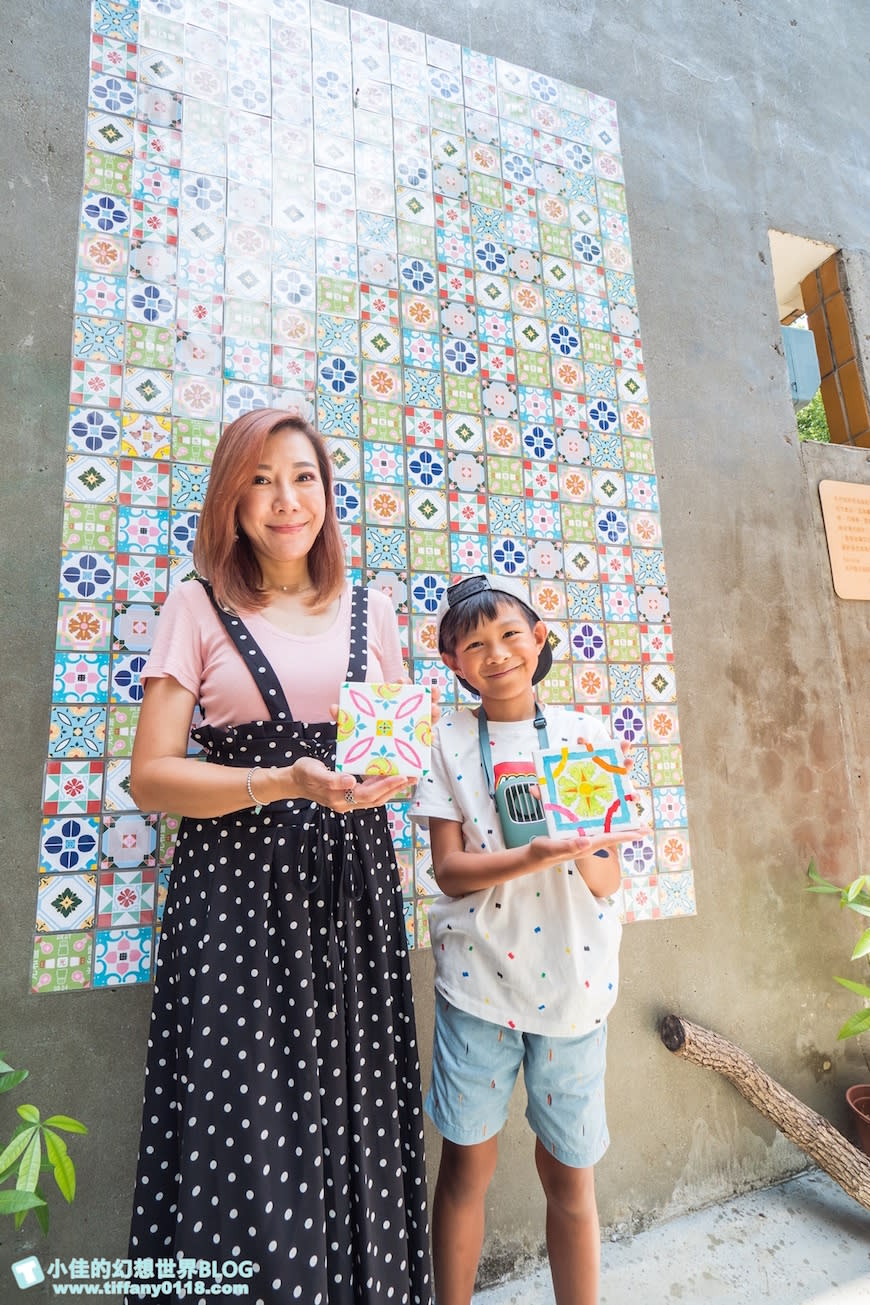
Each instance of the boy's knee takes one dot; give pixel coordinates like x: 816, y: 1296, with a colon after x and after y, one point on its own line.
x: 467, y: 1170
x: 570, y: 1191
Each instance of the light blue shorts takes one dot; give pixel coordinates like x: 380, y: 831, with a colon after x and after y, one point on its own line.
x: 474, y: 1069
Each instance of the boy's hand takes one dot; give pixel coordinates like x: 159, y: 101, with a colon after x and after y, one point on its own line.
x: 604, y: 842
x: 543, y: 852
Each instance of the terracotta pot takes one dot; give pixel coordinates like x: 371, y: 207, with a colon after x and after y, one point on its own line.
x: 858, y: 1100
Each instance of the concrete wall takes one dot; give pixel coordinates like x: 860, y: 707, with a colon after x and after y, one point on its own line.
x: 734, y: 118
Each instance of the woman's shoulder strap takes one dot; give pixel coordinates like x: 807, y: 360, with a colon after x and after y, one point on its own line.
x: 359, y: 635
x: 254, y: 658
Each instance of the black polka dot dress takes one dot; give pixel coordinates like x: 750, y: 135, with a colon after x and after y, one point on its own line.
x: 282, y: 1121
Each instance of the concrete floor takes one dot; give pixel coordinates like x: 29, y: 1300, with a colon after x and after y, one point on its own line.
x: 802, y: 1243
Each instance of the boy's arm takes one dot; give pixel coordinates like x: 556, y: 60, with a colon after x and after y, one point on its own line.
x: 459, y: 872
x: 601, y: 870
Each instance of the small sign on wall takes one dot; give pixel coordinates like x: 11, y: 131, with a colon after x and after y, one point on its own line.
x: 846, y: 514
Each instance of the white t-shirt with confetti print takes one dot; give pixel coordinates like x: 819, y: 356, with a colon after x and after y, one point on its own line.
x: 540, y: 953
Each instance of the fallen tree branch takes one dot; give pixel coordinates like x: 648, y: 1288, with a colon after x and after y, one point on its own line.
x: 805, y: 1127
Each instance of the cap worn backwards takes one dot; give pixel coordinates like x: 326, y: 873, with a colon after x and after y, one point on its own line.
x: 511, y: 587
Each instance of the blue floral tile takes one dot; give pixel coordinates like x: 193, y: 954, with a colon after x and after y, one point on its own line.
x: 69, y: 843
x: 93, y: 431
x: 182, y: 533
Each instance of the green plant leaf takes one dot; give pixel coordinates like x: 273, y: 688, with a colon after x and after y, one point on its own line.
x: 29, y: 1113
x: 64, y: 1169
x: 862, y: 946
x: 4, y: 1068
x: 15, y: 1148
x: 10, y: 1078
x: 41, y: 1212
x: 860, y: 988
x: 66, y: 1124
x: 823, y: 888
x: 857, y: 1023
x: 855, y: 888
x: 28, y: 1170
x: 859, y: 907
x: 12, y: 1202
x: 54, y: 1145
x: 65, y: 1177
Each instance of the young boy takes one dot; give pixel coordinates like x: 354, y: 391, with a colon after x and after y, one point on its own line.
x: 525, y: 946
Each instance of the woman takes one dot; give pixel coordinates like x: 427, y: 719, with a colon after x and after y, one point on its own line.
x: 282, y: 1121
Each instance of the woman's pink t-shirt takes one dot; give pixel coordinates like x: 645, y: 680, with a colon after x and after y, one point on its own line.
x: 193, y: 647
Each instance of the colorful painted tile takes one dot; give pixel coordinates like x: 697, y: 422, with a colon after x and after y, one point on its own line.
x: 72, y: 787
x: 123, y: 956
x: 66, y: 903
x: 68, y: 843
x: 62, y: 962
x: 77, y: 731
x: 80, y: 677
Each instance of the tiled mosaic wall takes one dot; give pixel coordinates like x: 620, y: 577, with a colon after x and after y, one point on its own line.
x: 424, y: 248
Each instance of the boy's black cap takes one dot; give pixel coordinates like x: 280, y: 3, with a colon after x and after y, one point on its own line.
x: 496, y: 584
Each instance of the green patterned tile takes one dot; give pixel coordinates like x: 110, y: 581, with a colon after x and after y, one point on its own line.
x: 533, y: 368
x: 123, y: 719
x: 430, y: 550
x: 195, y: 441
x: 338, y: 296
x: 89, y: 525
x: 578, y: 521
x: 62, y: 962
x: 666, y: 765
x: 150, y: 346
x: 446, y: 116
x: 555, y: 240
x: 638, y: 455
x: 559, y: 684
x: 623, y: 643
x: 416, y: 241
x: 248, y: 319
x: 109, y: 172
x: 462, y: 393
x: 611, y: 194
x: 382, y: 421
x: 505, y: 475
x: 486, y: 190
x: 597, y: 347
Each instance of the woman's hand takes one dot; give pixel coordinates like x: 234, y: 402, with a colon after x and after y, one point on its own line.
x: 309, y: 779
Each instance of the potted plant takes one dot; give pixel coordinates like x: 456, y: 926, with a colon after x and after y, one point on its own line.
x: 855, y: 896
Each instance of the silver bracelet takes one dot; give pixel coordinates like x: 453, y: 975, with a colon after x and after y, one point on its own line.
x: 254, y: 803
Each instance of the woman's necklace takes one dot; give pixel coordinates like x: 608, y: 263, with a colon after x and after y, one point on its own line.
x: 289, y: 589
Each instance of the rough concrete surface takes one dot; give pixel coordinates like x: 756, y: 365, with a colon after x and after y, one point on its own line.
x: 803, y: 1242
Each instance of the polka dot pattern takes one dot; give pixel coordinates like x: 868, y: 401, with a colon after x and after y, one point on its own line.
x: 282, y: 1120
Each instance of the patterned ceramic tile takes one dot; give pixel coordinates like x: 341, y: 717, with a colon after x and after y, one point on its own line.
x: 122, y: 956
x: 62, y: 962
x: 66, y: 903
